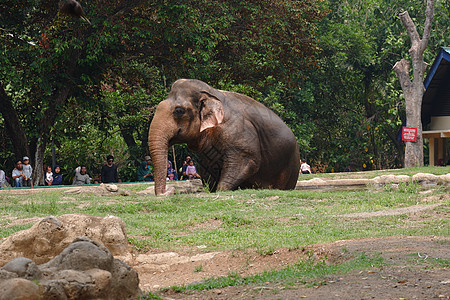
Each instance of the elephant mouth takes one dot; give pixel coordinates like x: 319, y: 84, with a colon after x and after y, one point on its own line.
x: 175, y: 138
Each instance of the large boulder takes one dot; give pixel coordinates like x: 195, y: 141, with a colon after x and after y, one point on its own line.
x: 84, y: 270
x: 48, y: 237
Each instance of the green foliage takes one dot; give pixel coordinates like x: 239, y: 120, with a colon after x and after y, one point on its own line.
x: 92, y: 90
x: 359, y: 109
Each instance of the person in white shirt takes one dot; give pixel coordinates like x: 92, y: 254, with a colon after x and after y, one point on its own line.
x: 304, y: 167
x: 49, y: 176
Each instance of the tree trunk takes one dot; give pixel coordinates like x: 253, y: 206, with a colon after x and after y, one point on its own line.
x: 14, y: 128
x: 413, y: 90
x: 51, y: 113
x: 45, y: 126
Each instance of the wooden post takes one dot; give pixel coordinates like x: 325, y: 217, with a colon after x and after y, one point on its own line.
x: 174, y: 159
x: 431, y: 150
x: 441, y: 149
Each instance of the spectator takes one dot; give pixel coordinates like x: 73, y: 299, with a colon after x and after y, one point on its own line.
x: 81, y: 176
x: 191, y: 171
x: 145, y: 170
x: 109, y: 171
x: 27, y: 171
x: 17, y: 174
x: 171, y: 172
x: 304, y: 167
x: 49, y: 176
x: 2, y: 179
x: 183, y: 168
x: 57, y: 176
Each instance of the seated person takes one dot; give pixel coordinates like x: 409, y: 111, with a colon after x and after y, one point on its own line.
x: 18, y: 174
x: 49, y: 176
x: 57, y: 176
x: 109, y: 172
x: 145, y: 170
x: 183, y: 168
x: 191, y: 171
x: 304, y: 167
x: 171, y: 172
x: 81, y: 176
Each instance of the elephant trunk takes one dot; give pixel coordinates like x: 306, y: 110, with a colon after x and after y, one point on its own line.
x: 158, y: 141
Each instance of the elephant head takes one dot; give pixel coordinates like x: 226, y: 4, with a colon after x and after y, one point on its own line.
x: 191, y: 107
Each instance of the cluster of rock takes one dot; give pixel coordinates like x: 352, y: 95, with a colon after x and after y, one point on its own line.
x: 419, y: 178
x: 84, y: 270
x: 48, y: 237
x: 180, y: 187
x: 70, y: 257
x: 100, y: 190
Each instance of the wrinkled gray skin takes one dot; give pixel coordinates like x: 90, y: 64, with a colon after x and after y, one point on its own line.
x: 240, y: 142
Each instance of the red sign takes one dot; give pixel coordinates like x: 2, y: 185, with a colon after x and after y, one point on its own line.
x: 409, y: 134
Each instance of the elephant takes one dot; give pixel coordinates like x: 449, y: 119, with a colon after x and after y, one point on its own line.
x: 239, y: 141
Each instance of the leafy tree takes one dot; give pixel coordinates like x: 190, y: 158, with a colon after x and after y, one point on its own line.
x: 64, y: 80
x: 413, y: 89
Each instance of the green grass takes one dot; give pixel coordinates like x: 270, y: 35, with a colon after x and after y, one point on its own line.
x: 262, y: 220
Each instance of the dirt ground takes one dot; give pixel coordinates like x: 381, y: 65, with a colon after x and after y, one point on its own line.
x: 410, y: 271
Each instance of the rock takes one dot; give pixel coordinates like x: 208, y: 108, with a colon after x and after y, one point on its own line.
x: 84, y: 270
x: 391, y: 179
x: 47, y: 238
x: 424, y: 178
x: 24, y: 268
x: 7, y: 275
x: 445, y: 179
x: 111, y: 188
x: 83, y: 254
x: 19, y: 289
x: 101, y: 278
x: 181, y: 187
x: 312, y: 183
x: 101, y: 190
x: 188, y: 186
x: 124, y: 281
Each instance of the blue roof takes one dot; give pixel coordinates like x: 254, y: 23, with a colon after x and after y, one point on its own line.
x: 443, y: 54
x: 436, y: 98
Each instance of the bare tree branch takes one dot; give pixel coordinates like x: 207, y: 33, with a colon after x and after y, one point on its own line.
x: 401, y: 68
x: 428, y: 22
x: 410, y: 28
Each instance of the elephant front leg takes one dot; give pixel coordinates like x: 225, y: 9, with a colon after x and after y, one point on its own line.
x: 236, y: 170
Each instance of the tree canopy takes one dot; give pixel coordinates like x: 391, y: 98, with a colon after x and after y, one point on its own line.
x: 91, y: 89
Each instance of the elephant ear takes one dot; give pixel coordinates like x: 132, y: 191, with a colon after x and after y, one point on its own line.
x: 211, y: 110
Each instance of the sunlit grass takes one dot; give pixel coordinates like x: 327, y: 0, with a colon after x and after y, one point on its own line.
x: 247, y: 219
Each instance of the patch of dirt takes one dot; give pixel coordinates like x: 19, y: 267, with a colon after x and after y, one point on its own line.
x: 410, y: 271
x: 15, y: 222
x: 169, y: 268
x: 390, y: 212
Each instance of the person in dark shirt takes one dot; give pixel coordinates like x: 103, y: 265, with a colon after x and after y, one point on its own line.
x: 57, y: 176
x: 109, y: 171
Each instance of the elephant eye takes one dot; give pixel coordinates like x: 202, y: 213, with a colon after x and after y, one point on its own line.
x: 179, y: 111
